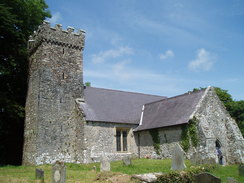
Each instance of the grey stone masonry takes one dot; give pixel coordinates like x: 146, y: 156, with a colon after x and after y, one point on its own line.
x: 147, y: 178
x: 53, y: 129
x: 216, y: 125
x: 65, y: 38
x: 58, y: 172
x: 105, y: 164
x: 127, y: 161
x: 178, y: 158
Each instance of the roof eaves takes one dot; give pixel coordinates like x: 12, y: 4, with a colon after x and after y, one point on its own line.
x: 117, y: 122
x: 144, y: 129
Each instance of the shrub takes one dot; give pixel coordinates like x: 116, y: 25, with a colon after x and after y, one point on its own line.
x: 184, y: 176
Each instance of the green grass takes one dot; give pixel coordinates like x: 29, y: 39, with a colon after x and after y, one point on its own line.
x: 140, y: 166
x: 84, y: 173
x: 228, y: 171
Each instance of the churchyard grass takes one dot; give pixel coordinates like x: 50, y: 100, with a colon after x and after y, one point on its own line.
x: 84, y: 173
x: 228, y: 171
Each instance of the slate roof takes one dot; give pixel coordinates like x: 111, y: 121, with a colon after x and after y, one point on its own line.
x: 107, y: 105
x: 171, y: 111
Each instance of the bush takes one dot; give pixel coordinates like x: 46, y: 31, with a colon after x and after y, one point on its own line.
x: 184, y: 176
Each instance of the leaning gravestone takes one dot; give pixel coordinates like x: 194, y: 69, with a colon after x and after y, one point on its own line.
x: 206, y: 178
x: 58, y: 172
x: 40, y: 174
x: 241, y: 169
x: 127, y: 161
x: 178, y: 158
x: 104, y: 164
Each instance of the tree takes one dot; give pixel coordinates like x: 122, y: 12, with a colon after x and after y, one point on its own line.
x: 237, y: 112
x: 88, y: 83
x: 18, y: 20
x: 225, y: 97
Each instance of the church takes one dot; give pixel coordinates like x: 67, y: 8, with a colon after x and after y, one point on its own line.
x: 70, y: 122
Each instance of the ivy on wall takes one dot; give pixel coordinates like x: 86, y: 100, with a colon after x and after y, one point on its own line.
x: 156, y: 140
x: 189, y: 134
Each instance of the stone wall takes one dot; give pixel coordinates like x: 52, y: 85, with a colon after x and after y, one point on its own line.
x: 169, y: 136
x: 100, y: 140
x: 52, y: 131
x: 215, y: 123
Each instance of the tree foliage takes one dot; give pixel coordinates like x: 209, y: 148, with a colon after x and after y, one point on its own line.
x: 18, y: 20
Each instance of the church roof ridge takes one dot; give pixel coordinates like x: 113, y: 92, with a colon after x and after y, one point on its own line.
x: 177, y: 96
x: 124, y: 91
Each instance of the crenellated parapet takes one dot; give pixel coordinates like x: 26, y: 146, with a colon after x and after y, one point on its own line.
x: 57, y: 36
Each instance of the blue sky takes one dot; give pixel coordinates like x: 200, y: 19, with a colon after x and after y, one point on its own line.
x: 162, y: 47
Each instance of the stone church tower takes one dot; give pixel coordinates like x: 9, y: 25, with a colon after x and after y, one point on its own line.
x: 52, y: 131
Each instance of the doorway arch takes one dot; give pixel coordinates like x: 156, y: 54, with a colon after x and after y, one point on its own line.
x: 218, y: 144
x: 219, y: 151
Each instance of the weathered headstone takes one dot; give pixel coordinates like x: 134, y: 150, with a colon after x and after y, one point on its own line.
x: 206, y: 178
x: 127, y: 161
x: 178, y: 158
x: 241, y: 169
x: 104, y: 164
x: 40, y: 174
x: 231, y: 180
x: 58, y: 172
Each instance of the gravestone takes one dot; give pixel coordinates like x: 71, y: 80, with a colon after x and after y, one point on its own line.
x: 206, y: 178
x: 58, y: 172
x: 241, y: 169
x: 94, y: 168
x: 178, y: 158
x: 104, y: 164
x: 231, y: 180
x: 127, y: 161
x: 40, y: 174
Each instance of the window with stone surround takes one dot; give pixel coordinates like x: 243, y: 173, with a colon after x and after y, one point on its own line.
x: 121, y: 140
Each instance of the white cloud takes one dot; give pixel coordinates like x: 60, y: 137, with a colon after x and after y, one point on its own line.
x: 166, y: 55
x: 112, y: 53
x: 56, y: 17
x: 204, y: 61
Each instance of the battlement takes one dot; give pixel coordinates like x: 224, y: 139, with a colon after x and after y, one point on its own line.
x: 57, y: 36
